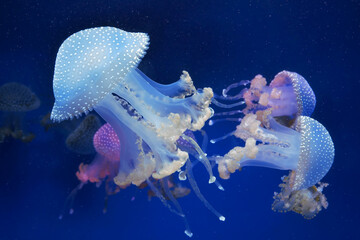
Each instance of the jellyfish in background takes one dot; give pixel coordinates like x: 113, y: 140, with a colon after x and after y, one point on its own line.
x: 15, y: 100
x: 107, y: 160
x: 104, y: 167
x: 81, y: 139
x: 97, y: 69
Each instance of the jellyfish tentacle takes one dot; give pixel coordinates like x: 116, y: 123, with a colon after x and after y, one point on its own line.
x: 70, y: 200
x: 242, y: 83
x: 162, y: 199
x: 213, y: 121
x: 165, y: 186
x: 230, y: 113
x: 215, y: 140
x: 199, y: 194
x: 219, y: 104
x: 202, y: 157
x: 180, y: 89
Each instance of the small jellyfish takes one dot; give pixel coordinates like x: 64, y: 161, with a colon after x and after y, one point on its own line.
x: 308, y: 150
x: 81, y: 139
x: 16, y: 97
x: 15, y: 100
x: 307, y: 202
x: 104, y: 167
x: 286, y: 97
x: 106, y: 163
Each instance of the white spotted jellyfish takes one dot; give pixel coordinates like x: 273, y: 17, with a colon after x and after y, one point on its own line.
x: 96, y: 69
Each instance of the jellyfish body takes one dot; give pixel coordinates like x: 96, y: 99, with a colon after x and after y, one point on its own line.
x: 16, y: 97
x: 81, y: 139
x: 15, y: 100
x: 286, y: 97
x: 308, y: 150
x: 107, y: 160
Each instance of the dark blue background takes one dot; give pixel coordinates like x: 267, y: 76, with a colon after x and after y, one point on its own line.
x: 218, y: 42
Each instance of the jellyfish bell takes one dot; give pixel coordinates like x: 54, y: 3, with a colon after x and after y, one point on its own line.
x: 308, y: 150
x: 16, y: 97
x: 285, y: 84
x: 106, y: 143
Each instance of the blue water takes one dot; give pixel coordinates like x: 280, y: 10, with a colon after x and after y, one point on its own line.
x: 218, y: 42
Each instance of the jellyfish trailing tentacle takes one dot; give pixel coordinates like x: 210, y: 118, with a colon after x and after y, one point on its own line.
x: 162, y: 198
x: 165, y: 186
x: 69, y: 202
x: 196, y: 189
x: 202, y: 157
x: 187, y: 142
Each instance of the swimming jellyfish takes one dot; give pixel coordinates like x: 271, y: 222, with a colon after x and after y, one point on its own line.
x: 104, y: 166
x: 81, y: 139
x: 106, y: 162
x: 97, y: 69
x: 15, y: 100
x: 308, y: 150
x: 286, y: 97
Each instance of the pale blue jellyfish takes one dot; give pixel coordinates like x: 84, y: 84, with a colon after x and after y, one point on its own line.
x: 308, y: 150
x: 97, y: 69
x: 286, y: 97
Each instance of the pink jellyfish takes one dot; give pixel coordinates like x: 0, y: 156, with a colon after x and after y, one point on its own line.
x: 104, y: 167
x: 106, y: 163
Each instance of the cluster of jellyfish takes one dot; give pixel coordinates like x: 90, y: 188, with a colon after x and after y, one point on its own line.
x: 149, y: 130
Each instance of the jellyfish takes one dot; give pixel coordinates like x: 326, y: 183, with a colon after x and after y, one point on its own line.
x: 96, y: 69
x: 15, y: 100
x: 104, y: 167
x: 307, y: 202
x: 106, y: 162
x: 308, y: 150
x: 81, y: 139
x: 287, y: 96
